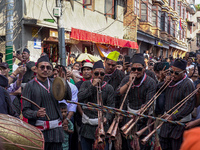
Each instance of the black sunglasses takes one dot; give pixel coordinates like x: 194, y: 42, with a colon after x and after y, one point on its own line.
x: 101, y: 74
x: 138, y: 69
x: 175, y: 72
x: 47, y: 67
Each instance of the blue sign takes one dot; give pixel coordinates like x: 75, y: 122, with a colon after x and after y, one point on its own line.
x: 37, y: 43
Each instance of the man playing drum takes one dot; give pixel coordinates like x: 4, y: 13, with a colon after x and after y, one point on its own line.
x: 39, y: 90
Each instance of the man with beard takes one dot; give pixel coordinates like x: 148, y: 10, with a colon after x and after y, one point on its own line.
x: 113, y: 76
x: 142, y: 90
x: 39, y: 90
x: 88, y: 93
x: 29, y: 64
x: 171, y: 135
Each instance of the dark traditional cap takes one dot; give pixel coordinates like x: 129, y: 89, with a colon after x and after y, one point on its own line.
x: 3, y: 81
x: 120, y: 63
x: 26, y: 50
x: 138, y: 58
x: 98, y: 64
x: 180, y: 63
x: 43, y: 59
x: 4, y: 65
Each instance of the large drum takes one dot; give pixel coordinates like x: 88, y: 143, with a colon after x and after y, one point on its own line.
x: 16, y: 134
x: 59, y: 88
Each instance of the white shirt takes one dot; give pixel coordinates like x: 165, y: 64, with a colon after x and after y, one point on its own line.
x: 70, y: 106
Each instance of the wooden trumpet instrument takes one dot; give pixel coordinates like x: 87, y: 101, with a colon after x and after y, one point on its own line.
x: 180, y: 104
x: 129, y: 125
x: 100, y: 128
x: 112, y: 131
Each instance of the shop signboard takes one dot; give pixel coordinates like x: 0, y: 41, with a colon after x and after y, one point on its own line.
x: 37, y: 43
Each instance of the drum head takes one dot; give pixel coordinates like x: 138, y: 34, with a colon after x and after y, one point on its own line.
x: 59, y: 88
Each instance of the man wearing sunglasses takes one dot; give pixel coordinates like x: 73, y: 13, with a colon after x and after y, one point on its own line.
x: 39, y: 90
x: 171, y: 136
x: 141, y: 91
x: 88, y: 93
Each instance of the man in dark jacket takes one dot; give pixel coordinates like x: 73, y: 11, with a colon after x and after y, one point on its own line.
x: 5, y: 101
x: 171, y: 135
x: 88, y: 93
x: 39, y: 90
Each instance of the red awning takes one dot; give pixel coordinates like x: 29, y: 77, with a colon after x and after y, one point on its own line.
x: 83, y: 35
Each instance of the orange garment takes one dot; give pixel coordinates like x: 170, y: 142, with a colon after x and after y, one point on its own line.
x: 191, y: 139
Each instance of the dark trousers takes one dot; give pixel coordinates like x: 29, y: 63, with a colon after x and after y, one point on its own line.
x: 53, y: 146
x: 170, y: 143
x: 86, y: 144
x: 142, y: 147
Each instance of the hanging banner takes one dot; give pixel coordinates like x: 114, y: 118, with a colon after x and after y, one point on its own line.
x: 104, y: 50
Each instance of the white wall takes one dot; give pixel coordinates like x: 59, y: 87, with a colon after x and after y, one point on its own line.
x: 78, y: 17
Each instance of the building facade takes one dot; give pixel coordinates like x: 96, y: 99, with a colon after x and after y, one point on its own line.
x: 194, y: 37
x: 162, y: 26
x: 99, y: 22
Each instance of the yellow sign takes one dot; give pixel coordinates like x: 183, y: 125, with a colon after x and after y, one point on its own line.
x: 35, y: 32
x: 54, y: 33
x: 159, y: 43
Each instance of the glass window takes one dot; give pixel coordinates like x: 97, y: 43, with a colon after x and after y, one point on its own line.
x: 143, y: 12
x: 110, y: 8
x: 136, y: 7
x: 169, y: 26
x: 162, y: 22
x: 154, y: 20
x: 87, y: 2
x: 198, y: 39
x: 173, y: 4
x: 179, y: 8
x: 149, y: 13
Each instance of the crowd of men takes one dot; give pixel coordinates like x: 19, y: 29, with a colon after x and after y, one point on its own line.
x: 74, y: 127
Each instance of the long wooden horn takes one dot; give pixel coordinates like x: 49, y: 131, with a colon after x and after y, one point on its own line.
x: 127, y: 127
x: 140, y: 132
x: 144, y: 140
x: 112, y: 131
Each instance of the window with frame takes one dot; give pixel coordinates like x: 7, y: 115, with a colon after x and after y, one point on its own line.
x: 173, y: 4
x: 169, y: 1
x: 137, y: 7
x: 183, y: 38
x: 169, y: 26
x: 88, y: 4
x: 183, y: 13
x: 110, y: 8
x: 156, y: 16
x: 163, y: 21
x: 145, y: 11
x: 174, y: 27
x: 198, y: 39
x: 179, y: 8
x: 179, y: 34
